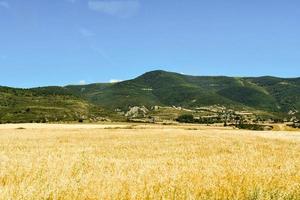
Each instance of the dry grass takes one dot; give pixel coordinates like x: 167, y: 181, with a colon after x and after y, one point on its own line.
x: 93, y: 162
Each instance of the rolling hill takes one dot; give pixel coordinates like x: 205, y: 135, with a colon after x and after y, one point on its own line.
x: 43, y: 105
x: 167, y: 88
x: 276, y: 96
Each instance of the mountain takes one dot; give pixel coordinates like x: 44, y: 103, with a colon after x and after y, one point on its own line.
x: 167, y: 88
x: 42, y: 105
x: 272, y: 95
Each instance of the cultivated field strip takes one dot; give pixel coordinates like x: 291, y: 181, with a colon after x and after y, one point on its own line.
x: 126, y: 161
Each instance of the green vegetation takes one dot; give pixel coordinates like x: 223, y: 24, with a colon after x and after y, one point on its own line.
x: 255, y: 127
x: 275, y: 96
x: 295, y: 125
x: 42, y: 105
x: 188, y: 118
x: 268, y: 97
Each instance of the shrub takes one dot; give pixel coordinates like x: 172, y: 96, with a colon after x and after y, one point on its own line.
x: 255, y: 127
x: 295, y: 125
x: 187, y: 118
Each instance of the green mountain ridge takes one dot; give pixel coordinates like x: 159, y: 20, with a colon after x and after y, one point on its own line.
x: 273, y: 95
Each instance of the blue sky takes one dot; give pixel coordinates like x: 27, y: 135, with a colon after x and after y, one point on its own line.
x: 61, y: 42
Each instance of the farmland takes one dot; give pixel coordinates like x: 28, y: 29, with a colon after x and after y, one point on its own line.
x: 136, y: 161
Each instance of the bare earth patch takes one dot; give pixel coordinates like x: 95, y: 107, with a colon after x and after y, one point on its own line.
x: 129, y: 161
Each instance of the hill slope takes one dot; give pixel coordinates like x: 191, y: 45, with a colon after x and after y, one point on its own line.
x: 267, y: 94
x: 167, y: 88
x: 42, y: 105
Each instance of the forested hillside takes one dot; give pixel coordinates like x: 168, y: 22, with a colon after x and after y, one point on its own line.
x: 279, y: 96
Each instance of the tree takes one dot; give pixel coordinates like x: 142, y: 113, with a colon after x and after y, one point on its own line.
x: 186, y: 118
x: 237, y: 120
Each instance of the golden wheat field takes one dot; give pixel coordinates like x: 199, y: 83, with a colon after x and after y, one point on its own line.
x: 147, y: 162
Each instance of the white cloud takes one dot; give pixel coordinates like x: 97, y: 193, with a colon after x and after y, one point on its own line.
x: 82, y: 82
x: 86, y: 32
x: 118, y: 8
x: 115, y: 81
x: 4, y: 4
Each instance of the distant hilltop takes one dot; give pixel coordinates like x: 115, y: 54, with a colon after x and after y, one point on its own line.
x: 267, y: 97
